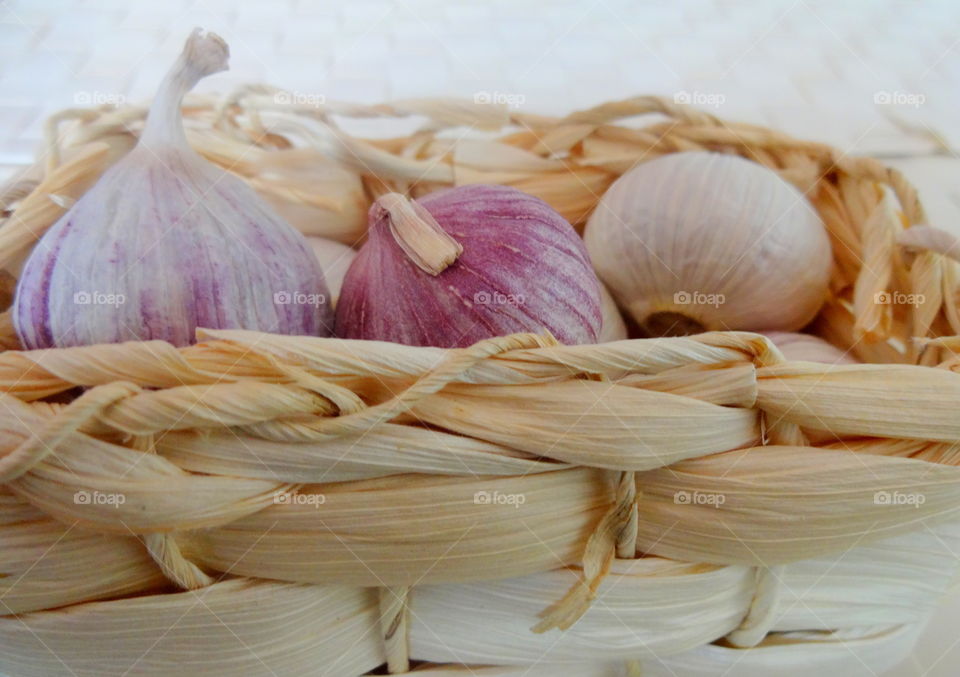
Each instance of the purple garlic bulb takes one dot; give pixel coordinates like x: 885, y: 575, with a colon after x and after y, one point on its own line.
x: 466, y: 264
x: 166, y: 242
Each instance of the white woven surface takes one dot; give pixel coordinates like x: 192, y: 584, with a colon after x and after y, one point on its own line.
x: 856, y: 74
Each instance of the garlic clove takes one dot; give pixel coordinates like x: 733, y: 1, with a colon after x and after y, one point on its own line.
x: 335, y: 259
x: 613, y: 327
x: 703, y: 241
x: 166, y: 242
x: 808, y: 348
x: 465, y: 264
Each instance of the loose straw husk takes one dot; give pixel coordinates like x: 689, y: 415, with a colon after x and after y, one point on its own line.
x: 258, y: 504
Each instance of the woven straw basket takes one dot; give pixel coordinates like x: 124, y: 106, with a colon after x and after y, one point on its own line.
x: 306, y: 506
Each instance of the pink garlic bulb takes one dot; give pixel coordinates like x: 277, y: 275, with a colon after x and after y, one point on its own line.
x: 466, y: 264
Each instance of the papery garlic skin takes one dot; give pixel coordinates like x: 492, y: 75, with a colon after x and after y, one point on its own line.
x: 808, y: 348
x: 314, y: 194
x: 704, y: 241
x: 335, y: 259
x: 613, y: 327
x: 166, y: 242
x: 513, y: 265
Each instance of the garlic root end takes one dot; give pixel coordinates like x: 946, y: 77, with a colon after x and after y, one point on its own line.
x: 670, y: 323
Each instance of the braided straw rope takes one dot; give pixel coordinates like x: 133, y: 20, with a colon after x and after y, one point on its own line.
x: 260, y: 505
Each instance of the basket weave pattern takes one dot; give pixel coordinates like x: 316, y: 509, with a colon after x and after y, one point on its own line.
x: 296, y: 505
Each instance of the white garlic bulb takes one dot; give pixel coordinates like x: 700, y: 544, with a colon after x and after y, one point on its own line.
x: 612, y: 327
x: 808, y: 348
x: 335, y: 258
x: 703, y: 241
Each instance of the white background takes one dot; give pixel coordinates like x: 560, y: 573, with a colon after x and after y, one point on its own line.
x: 824, y: 70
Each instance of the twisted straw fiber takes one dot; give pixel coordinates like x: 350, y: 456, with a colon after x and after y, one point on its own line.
x: 296, y: 505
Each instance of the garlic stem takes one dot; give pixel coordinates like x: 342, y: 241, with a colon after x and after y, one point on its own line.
x: 419, y: 235
x: 202, y: 55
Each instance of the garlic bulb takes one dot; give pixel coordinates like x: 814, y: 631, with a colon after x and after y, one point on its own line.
x: 465, y: 264
x: 335, y: 258
x: 166, y: 242
x: 808, y: 348
x: 702, y: 241
x: 613, y: 327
